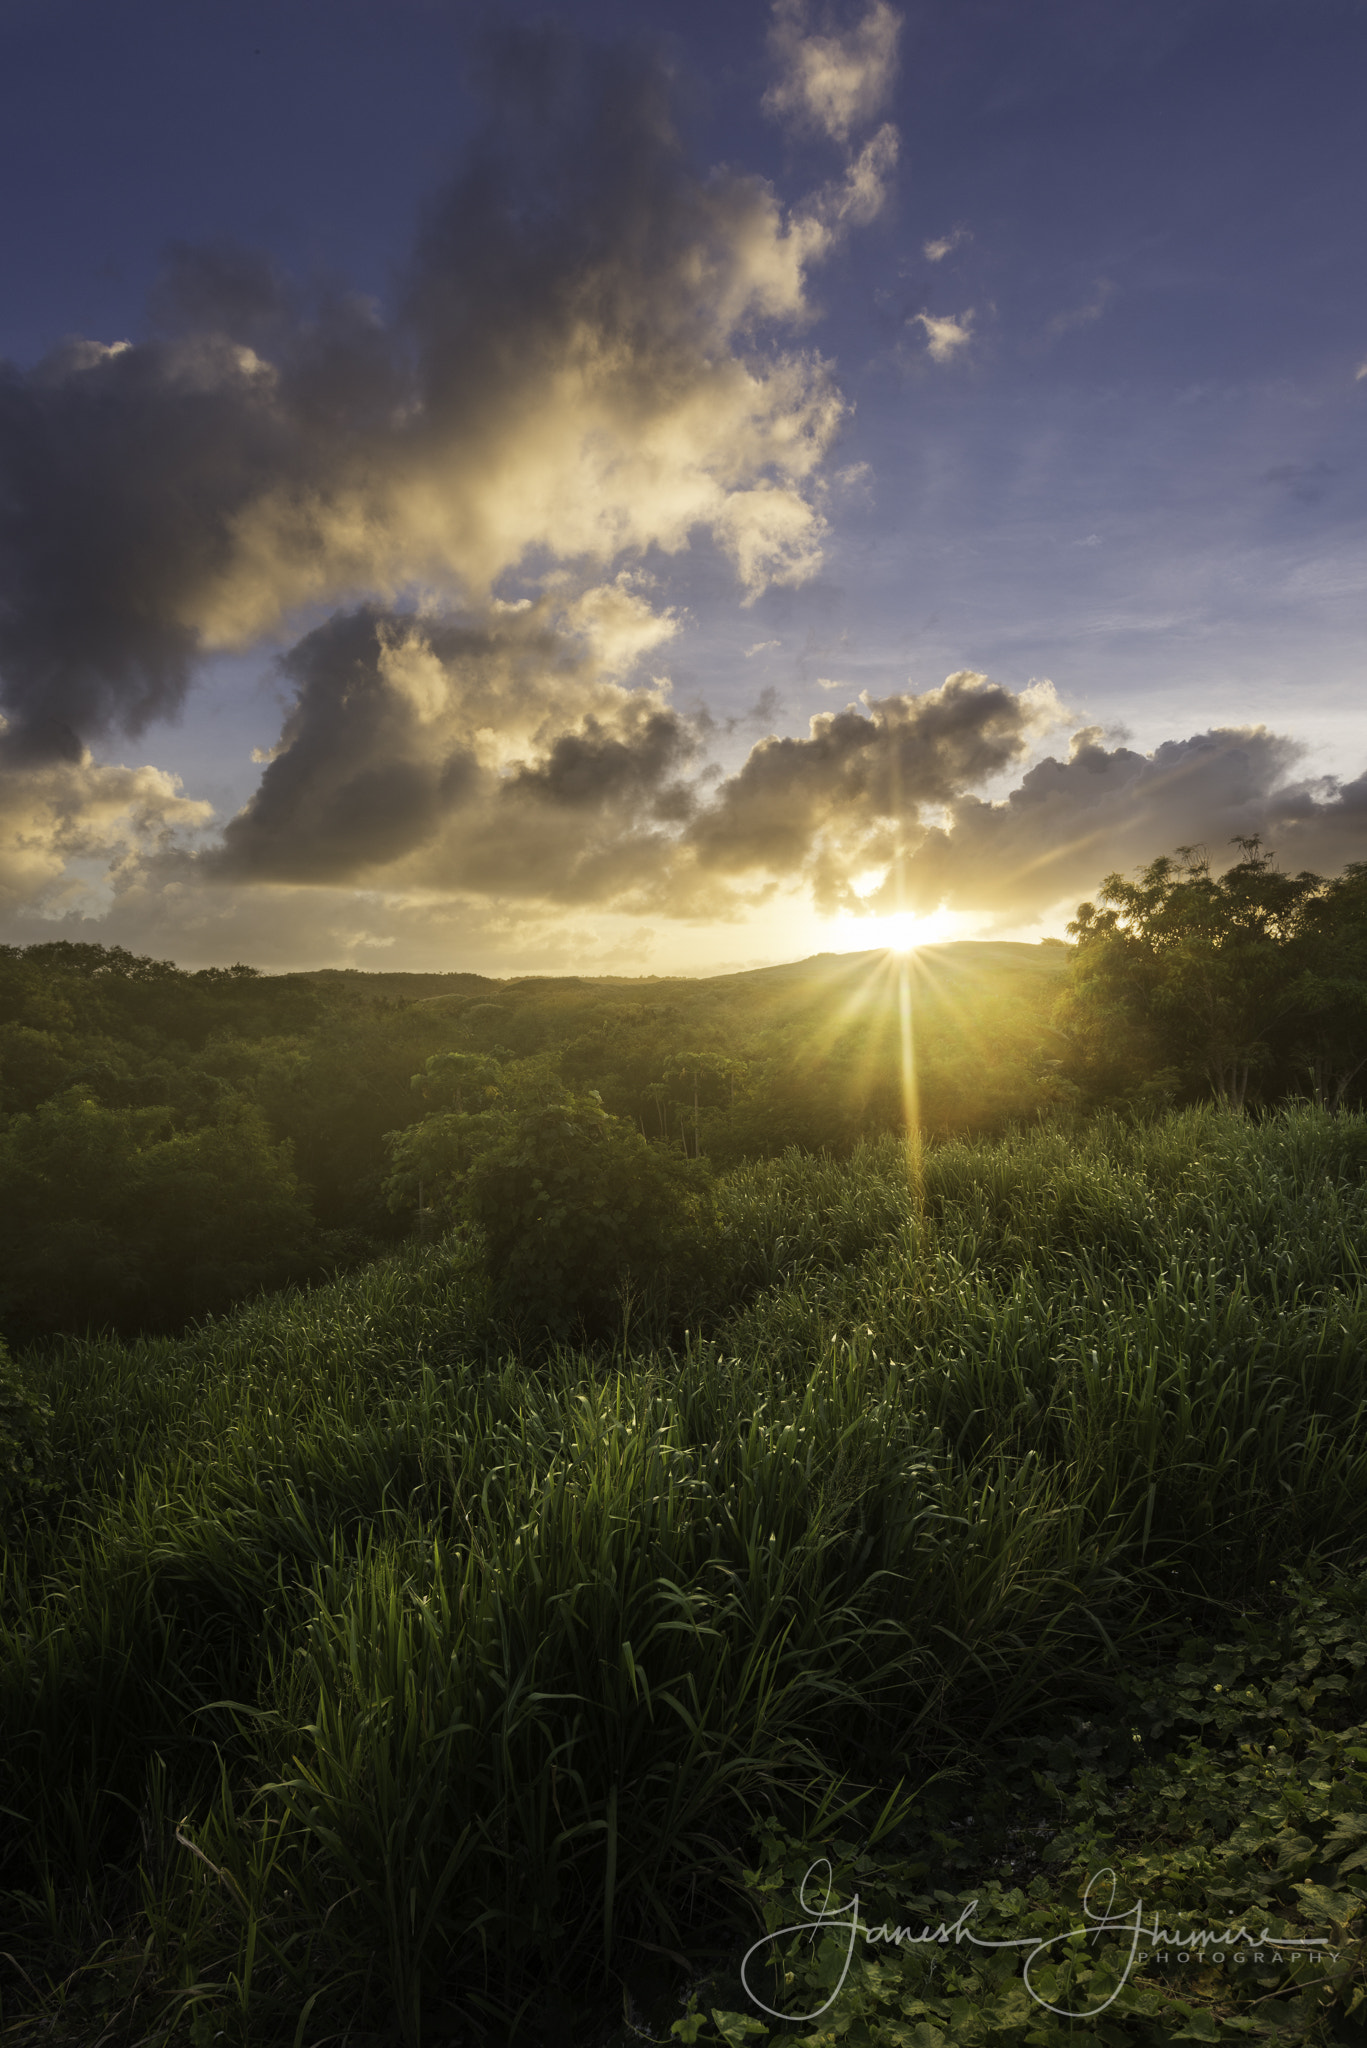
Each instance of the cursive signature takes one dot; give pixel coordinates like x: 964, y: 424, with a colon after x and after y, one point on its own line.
x: 1198, y: 1941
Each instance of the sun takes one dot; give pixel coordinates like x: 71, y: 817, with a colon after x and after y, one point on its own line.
x: 904, y: 932
x: 899, y: 932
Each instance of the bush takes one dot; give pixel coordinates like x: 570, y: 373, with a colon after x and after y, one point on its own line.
x: 581, y: 1216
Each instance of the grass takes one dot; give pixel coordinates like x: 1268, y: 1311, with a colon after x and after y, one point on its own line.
x: 1191, y: 1869
x: 365, y: 1682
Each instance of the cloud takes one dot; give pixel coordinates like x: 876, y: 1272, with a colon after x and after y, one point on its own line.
x: 855, y: 199
x: 1304, y: 481
x: 617, y: 622
x: 480, y: 781
x: 1360, y: 373
x: 70, y: 830
x: 593, y: 356
x: 1070, y: 822
x: 492, y: 758
x: 760, y: 716
x: 572, y: 376
x: 945, y: 336
x: 936, y: 250
x: 285, y: 928
x: 835, y: 82
x: 491, y: 754
x: 829, y: 807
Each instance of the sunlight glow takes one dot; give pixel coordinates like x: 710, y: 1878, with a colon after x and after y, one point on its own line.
x: 901, y: 932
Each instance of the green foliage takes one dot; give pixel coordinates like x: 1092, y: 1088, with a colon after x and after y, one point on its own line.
x: 26, y: 1458
x: 466, y: 1674
x: 1241, y: 1808
x: 806, y: 1056
x: 455, y: 1079
x: 582, y: 1221
x: 579, y: 1215
x: 1324, y: 1047
x: 116, y: 1216
x: 1189, y: 983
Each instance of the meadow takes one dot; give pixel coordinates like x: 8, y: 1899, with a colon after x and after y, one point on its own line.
x: 365, y: 1678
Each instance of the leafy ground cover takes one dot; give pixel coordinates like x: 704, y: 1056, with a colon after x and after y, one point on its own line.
x: 1193, y: 1867
x: 360, y: 1679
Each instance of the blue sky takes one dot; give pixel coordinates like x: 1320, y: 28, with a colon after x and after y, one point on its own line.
x: 1060, y: 386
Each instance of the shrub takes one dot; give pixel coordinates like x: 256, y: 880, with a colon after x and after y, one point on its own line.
x: 580, y: 1214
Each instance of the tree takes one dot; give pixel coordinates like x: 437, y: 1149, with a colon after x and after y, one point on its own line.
x: 116, y: 1216
x: 448, y: 1079
x: 694, y: 1081
x: 1326, y: 1037
x: 1186, y: 980
x: 573, y: 1205
x: 576, y: 1208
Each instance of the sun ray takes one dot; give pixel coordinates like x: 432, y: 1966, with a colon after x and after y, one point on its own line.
x: 911, y: 1107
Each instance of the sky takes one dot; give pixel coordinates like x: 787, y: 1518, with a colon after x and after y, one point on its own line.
x: 628, y: 487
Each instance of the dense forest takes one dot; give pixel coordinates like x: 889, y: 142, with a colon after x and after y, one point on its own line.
x: 171, y: 1142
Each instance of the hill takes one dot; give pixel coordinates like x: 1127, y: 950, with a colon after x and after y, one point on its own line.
x: 170, y: 1142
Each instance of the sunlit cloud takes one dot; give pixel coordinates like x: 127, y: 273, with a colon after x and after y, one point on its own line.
x: 569, y: 382
x: 945, y: 335
x: 70, y: 830
x: 940, y: 246
x: 1070, y: 821
x: 451, y: 528
x: 833, y: 81
x: 451, y: 800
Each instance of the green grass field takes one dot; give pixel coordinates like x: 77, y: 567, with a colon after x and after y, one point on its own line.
x: 361, y: 1681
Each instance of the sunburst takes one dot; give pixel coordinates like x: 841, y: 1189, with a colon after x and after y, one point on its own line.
x: 900, y: 931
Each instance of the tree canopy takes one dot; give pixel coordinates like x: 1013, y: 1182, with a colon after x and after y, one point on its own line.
x: 1247, y: 984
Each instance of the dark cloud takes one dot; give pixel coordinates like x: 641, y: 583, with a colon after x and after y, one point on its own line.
x: 487, y: 756
x: 588, y: 768
x: 762, y: 715
x: 581, y: 364
x: 858, y: 771
x: 368, y: 765
x: 223, y: 288
x: 120, y: 472
x: 572, y: 373
x: 486, y: 763
x: 1103, y: 809
x: 490, y: 759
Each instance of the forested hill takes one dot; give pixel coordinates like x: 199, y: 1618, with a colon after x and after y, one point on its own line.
x: 967, y: 958
x: 170, y: 1141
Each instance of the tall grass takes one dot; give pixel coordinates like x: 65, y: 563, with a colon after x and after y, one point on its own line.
x: 364, y: 1667
x: 1174, y: 1314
